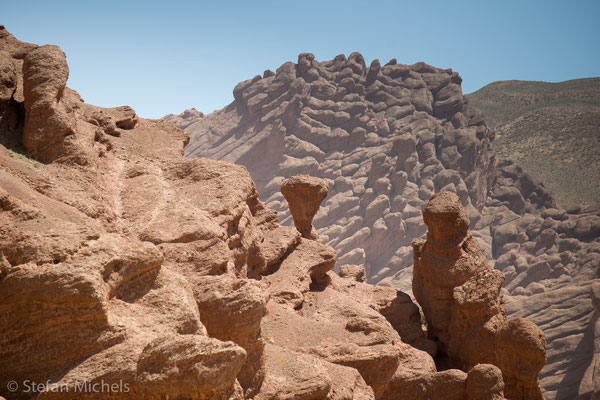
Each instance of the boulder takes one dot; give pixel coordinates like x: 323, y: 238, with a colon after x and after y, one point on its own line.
x: 49, y: 121
x: 304, y: 195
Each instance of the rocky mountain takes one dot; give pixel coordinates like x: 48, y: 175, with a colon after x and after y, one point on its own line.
x: 129, y: 271
x: 552, y: 130
x: 385, y: 139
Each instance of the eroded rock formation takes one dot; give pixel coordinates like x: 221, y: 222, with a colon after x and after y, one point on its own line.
x: 184, y: 119
x: 385, y: 138
x: 461, y: 299
x: 48, y: 120
x: 304, y: 195
x: 590, y: 384
x: 130, y: 271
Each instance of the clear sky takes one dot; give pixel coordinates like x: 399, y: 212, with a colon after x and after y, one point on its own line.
x: 162, y: 57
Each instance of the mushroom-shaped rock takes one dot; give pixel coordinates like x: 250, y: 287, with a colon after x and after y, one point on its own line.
x: 446, y: 219
x: 304, y: 195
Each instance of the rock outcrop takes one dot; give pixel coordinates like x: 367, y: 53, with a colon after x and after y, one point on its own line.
x: 304, y: 195
x: 385, y: 138
x: 590, y: 384
x: 461, y: 299
x: 184, y: 119
x: 129, y: 271
x: 373, y: 134
x: 10, y: 111
x: 49, y: 121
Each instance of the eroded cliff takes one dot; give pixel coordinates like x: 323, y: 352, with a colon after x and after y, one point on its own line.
x: 385, y: 138
x: 129, y: 271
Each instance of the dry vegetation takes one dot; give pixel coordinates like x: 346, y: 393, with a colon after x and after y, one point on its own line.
x: 552, y: 130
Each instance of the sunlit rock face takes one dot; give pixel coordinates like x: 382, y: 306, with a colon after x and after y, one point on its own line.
x: 387, y: 137
x: 460, y: 295
x: 128, y: 271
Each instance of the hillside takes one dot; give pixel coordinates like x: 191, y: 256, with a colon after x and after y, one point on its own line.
x: 386, y: 138
x: 128, y: 271
x: 552, y: 130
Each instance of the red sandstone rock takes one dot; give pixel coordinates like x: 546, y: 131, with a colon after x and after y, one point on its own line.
x: 484, y: 382
x: 461, y: 299
x: 49, y: 120
x: 385, y: 138
x: 521, y: 354
x: 169, y: 274
x: 231, y: 310
x: 304, y: 195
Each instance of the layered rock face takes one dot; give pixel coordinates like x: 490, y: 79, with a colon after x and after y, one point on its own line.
x: 385, y: 138
x: 128, y: 271
x: 590, y: 384
x: 461, y: 299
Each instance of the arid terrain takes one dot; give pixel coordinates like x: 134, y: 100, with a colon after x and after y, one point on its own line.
x: 130, y: 271
x: 385, y: 138
x: 552, y: 130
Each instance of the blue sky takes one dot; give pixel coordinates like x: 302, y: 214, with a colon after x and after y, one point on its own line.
x: 163, y: 57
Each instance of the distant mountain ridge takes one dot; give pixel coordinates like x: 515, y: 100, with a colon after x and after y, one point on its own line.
x: 552, y: 130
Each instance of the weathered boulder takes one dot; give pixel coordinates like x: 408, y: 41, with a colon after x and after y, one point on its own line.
x: 49, y: 122
x: 188, y: 365
x: 304, y: 195
x: 484, y: 382
x: 521, y: 354
x: 231, y: 310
